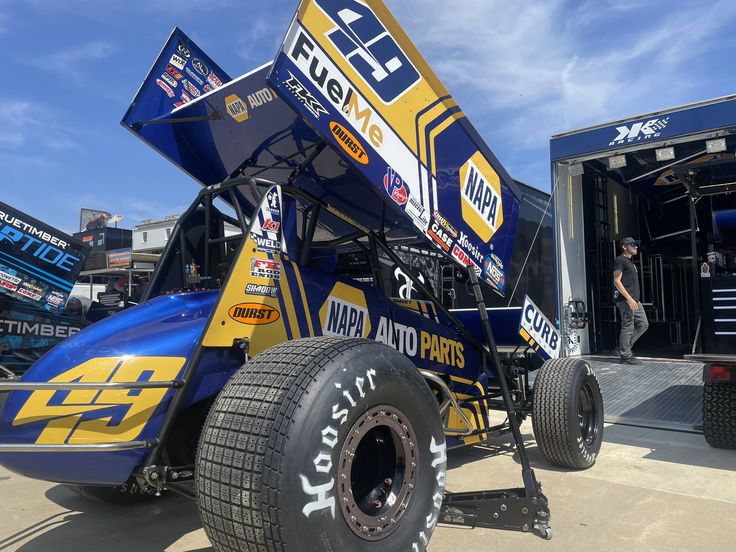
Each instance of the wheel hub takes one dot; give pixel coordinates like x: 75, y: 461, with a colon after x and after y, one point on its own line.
x: 377, y: 472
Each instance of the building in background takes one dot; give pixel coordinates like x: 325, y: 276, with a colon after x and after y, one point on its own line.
x: 151, y: 236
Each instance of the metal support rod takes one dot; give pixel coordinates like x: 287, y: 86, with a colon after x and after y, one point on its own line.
x: 530, y: 481
x: 308, y: 160
x: 309, y: 235
x: 207, y: 233
x: 694, y: 249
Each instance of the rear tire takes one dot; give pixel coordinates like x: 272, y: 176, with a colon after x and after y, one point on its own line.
x: 567, y: 413
x: 127, y: 494
x: 719, y: 414
x: 322, y: 444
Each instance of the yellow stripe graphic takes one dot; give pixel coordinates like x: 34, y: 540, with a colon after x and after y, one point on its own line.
x: 307, y: 310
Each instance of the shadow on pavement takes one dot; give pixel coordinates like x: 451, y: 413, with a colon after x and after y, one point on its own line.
x: 148, y: 527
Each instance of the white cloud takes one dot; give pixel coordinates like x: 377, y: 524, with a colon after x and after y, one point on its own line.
x: 27, y: 124
x: 71, y: 61
x: 525, y: 70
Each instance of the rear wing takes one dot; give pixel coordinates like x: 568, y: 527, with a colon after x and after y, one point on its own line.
x: 38, y: 263
x: 349, y: 69
x: 402, y: 158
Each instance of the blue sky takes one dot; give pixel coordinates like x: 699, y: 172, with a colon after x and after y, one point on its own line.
x: 521, y: 71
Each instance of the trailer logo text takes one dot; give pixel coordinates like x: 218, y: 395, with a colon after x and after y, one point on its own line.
x: 643, y: 130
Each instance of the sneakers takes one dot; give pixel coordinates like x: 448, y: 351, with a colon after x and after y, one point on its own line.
x: 630, y: 360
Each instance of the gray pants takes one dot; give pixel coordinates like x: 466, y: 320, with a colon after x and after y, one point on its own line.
x: 633, y: 325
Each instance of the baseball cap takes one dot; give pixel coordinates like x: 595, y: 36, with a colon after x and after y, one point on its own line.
x: 629, y: 241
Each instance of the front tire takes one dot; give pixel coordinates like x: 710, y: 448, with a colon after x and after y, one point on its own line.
x: 322, y: 444
x: 567, y: 413
x: 719, y: 414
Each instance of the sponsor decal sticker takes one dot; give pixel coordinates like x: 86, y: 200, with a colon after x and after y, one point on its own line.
x: 195, y: 77
x: 538, y: 331
x: 213, y: 80
x: 200, y: 67
x: 8, y: 285
x: 445, y: 224
x: 9, y: 278
x: 348, y: 142
x: 261, y: 289
x: 253, y: 314
x: 480, y: 189
x: 166, y: 88
x: 304, y: 96
x: 170, y: 80
x: 185, y: 97
x: 193, y: 90
x: 265, y: 268
x: 171, y: 70
x: 418, y: 213
x: 493, y: 273
x: 236, y: 108
x: 395, y: 186
x: 442, y: 238
x: 30, y: 294
x: 178, y: 62
x: 207, y: 88
x: 265, y: 244
x: 345, y: 312
x: 182, y: 50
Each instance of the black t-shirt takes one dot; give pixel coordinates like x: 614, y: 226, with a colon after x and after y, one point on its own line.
x: 629, y: 277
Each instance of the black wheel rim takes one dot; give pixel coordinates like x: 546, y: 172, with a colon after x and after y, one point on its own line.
x: 377, y: 472
x: 587, y: 414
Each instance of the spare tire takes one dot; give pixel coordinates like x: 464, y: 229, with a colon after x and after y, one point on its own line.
x: 719, y: 414
x: 322, y: 444
x: 567, y: 413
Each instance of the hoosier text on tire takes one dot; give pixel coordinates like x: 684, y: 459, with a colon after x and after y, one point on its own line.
x: 322, y: 444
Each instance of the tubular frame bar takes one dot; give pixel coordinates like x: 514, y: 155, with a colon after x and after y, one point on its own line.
x: 100, y: 447
x: 77, y: 386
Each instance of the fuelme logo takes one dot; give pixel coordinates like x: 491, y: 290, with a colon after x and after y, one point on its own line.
x: 345, y: 312
x: 481, y: 196
x: 320, y: 70
x: 369, y: 48
x: 643, y: 130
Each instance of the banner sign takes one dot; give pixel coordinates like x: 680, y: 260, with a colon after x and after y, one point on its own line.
x: 38, y: 263
x: 120, y: 258
x: 538, y: 331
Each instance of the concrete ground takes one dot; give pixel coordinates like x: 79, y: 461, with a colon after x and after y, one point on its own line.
x: 650, y: 490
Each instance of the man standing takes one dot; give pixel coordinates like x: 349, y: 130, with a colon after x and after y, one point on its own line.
x: 633, y: 318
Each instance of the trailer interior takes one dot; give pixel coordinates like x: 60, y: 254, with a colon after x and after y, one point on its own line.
x: 676, y: 195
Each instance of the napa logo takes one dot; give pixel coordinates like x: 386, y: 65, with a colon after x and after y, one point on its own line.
x: 481, y: 203
x: 100, y: 416
x: 369, y: 48
x: 345, y: 312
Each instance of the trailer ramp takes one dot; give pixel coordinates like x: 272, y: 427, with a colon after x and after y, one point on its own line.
x: 658, y: 393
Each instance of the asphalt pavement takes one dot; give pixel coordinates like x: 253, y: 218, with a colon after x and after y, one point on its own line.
x: 650, y: 490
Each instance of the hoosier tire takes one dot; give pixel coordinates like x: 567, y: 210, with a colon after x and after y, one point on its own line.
x: 322, y: 444
x: 719, y: 414
x: 567, y: 413
x: 127, y: 494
